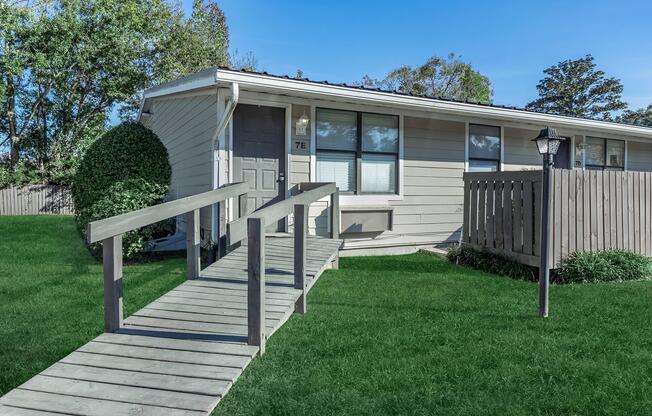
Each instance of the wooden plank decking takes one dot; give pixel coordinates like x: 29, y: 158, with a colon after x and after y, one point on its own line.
x: 180, y: 354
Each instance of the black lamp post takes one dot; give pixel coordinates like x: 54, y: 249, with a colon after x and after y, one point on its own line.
x: 548, y: 142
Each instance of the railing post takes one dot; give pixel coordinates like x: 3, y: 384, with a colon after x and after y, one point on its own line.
x: 256, y: 282
x: 242, y: 205
x: 335, y: 214
x: 300, y: 231
x: 112, y: 262
x: 193, y: 251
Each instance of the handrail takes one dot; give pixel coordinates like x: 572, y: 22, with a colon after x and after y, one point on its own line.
x: 120, y: 224
x: 252, y: 227
x: 237, y: 229
x: 110, y: 231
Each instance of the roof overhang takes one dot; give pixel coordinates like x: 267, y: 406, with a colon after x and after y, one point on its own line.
x: 288, y: 86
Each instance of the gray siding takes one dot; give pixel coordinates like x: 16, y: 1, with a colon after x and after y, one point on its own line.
x: 186, y: 127
x: 431, y: 208
x: 639, y: 156
x: 520, y: 152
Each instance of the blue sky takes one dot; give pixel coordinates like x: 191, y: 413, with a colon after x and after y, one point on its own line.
x: 509, y: 41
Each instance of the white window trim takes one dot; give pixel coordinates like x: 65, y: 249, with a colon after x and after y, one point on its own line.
x: 501, y: 163
x: 361, y: 199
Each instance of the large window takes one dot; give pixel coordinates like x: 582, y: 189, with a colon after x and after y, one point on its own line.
x: 357, y: 151
x: 484, y: 148
x: 600, y: 154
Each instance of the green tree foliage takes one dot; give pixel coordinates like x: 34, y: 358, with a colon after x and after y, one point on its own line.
x: 191, y: 44
x: 576, y: 88
x: 114, y: 177
x: 448, y: 77
x: 641, y: 117
x: 65, y: 65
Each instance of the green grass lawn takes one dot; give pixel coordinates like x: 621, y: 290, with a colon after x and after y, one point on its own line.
x: 384, y: 335
x: 51, y: 293
x: 416, y: 335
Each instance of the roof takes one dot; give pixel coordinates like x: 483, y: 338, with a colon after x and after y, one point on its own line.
x: 286, y: 84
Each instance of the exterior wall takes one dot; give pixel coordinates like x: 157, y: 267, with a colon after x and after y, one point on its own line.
x: 186, y: 127
x: 431, y: 208
x: 639, y: 156
x: 428, y: 210
x: 299, y: 156
x: 520, y: 152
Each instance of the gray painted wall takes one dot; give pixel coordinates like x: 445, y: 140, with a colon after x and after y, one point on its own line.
x: 186, y: 127
x: 433, y: 158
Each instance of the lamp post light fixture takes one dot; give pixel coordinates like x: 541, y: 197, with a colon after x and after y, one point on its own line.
x: 548, y: 142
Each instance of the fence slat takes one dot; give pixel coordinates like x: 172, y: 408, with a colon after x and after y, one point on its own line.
x: 489, y: 214
x: 572, y: 210
x: 498, y: 214
x: 630, y: 211
x: 482, y: 217
x: 474, y: 213
x: 466, y: 220
x: 517, y: 223
x: 528, y: 217
x: 507, y: 216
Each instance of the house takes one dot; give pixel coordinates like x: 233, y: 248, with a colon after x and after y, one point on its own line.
x: 397, y: 159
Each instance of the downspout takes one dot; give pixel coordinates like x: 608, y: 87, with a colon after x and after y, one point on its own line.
x: 221, y: 126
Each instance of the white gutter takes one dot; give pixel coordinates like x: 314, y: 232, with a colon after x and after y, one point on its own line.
x: 221, y: 126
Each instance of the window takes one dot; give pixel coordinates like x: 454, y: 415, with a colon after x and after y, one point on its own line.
x: 600, y: 154
x: 484, y: 148
x: 346, y: 137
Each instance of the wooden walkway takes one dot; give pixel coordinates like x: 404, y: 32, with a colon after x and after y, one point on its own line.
x: 180, y: 354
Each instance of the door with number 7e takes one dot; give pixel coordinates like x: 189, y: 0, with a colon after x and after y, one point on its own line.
x: 259, y: 154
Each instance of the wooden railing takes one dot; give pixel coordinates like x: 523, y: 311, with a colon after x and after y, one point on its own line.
x: 591, y: 211
x: 253, y: 226
x: 110, y: 231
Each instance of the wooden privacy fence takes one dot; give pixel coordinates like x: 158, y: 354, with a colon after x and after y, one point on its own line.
x: 500, y: 209
x: 591, y: 210
x: 36, y: 200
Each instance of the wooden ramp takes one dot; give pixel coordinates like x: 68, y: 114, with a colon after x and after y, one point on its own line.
x: 180, y: 354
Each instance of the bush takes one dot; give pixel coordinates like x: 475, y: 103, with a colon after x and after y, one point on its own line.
x: 19, y: 175
x: 122, y: 197
x: 604, y: 266
x: 127, y: 151
x: 124, y: 170
x: 490, y: 262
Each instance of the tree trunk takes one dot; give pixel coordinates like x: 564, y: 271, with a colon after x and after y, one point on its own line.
x: 14, y: 140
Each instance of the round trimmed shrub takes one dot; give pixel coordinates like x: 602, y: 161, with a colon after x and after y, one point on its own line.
x: 127, y: 151
x: 124, y: 170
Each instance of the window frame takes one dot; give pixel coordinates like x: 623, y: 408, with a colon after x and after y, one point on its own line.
x: 499, y: 161
x: 359, y: 152
x: 605, y: 166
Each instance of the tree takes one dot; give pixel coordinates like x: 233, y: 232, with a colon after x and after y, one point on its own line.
x: 188, y: 45
x: 448, y: 78
x: 66, y: 64
x: 576, y: 88
x: 247, y: 62
x: 641, y: 117
x: 185, y: 45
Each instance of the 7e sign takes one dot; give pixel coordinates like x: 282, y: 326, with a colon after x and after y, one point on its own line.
x: 301, y: 145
